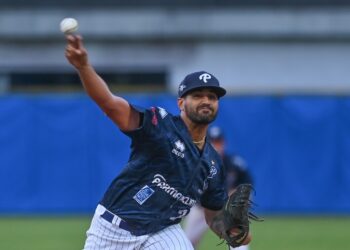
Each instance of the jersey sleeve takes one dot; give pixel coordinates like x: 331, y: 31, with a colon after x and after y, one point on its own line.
x: 215, y: 196
x: 149, y: 123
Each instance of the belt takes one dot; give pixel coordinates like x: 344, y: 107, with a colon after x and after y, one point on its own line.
x: 114, y: 219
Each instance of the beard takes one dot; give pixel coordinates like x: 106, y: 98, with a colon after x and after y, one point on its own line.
x: 198, y: 117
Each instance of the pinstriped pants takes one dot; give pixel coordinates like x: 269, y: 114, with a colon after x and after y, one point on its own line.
x: 103, y: 235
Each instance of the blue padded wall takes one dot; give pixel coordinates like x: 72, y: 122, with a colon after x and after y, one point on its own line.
x: 58, y: 153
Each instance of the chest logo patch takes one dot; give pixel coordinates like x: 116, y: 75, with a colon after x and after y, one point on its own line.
x: 179, y: 146
x: 213, y: 171
x: 143, y: 194
x: 179, y: 149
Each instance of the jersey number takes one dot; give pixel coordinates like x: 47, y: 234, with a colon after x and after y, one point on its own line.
x: 182, y: 213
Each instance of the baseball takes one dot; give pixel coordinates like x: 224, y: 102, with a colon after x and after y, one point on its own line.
x: 69, y: 25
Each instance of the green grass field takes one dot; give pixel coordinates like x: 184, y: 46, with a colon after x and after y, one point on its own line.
x: 276, y: 233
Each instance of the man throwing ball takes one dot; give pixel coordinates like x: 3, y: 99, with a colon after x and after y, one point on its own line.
x: 172, y: 166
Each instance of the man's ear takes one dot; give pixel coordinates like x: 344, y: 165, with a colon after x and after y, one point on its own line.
x: 180, y: 103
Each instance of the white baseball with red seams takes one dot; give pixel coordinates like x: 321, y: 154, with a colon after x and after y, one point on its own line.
x: 69, y: 25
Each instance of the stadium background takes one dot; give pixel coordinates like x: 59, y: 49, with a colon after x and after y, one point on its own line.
x: 285, y: 64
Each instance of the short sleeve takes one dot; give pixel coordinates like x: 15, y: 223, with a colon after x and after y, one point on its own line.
x: 149, y: 125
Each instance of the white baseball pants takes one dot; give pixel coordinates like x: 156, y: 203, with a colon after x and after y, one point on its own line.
x: 104, y: 235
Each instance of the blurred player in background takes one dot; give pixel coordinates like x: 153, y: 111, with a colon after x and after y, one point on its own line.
x: 172, y: 165
x: 236, y: 174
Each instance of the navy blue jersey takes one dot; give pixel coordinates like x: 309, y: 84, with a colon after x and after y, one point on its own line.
x: 165, y: 176
x: 236, y: 171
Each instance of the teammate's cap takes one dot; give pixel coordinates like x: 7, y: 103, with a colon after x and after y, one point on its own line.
x: 199, y: 80
x: 215, y: 133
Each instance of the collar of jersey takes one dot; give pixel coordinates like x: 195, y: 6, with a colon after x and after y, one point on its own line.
x: 184, y: 129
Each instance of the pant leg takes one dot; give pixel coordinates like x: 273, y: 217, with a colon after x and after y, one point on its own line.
x: 170, y: 238
x: 103, y: 235
x: 195, y: 225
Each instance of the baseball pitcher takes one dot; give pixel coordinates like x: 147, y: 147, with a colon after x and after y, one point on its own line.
x: 171, y: 167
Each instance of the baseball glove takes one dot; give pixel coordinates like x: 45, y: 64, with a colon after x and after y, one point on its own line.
x: 232, y: 223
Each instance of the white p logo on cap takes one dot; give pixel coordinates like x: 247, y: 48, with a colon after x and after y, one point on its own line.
x: 204, y: 77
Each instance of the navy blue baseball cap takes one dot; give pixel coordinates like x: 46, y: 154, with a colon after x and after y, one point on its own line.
x: 198, y: 80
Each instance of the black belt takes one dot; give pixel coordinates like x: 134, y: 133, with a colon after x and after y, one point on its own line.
x: 108, y: 216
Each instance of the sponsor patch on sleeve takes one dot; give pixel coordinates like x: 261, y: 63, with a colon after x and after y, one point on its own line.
x: 143, y: 194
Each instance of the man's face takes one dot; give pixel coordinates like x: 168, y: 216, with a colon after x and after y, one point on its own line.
x: 201, y: 106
